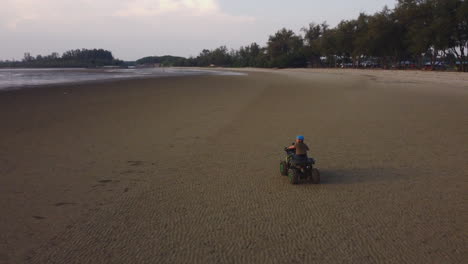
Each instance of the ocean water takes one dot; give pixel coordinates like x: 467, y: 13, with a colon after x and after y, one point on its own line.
x: 21, y: 78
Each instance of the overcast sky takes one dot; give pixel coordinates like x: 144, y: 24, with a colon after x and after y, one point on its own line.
x: 132, y: 29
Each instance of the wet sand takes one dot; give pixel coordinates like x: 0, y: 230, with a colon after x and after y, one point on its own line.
x: 185, y: 170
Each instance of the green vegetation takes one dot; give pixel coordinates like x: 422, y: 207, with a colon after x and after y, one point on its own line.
x: 73, y: 58
x: 163, y: 60
x: 416, y: 34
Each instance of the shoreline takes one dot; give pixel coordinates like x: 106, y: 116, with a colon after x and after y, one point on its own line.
x: 461, y: 76
x: 448, y: 78
x: 65, y: 85
x: 157, y: 73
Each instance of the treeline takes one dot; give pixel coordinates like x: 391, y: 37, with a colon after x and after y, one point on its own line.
x: 416, y: 33
x: 161, y: 60
x: 86, y: 58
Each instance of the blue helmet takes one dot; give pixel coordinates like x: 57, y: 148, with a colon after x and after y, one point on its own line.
x: 300, y: 137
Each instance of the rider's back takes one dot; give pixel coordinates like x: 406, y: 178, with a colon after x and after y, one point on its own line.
x: 301, y: 148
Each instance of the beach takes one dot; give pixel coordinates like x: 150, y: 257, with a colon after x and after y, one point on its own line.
x: 185, y: 169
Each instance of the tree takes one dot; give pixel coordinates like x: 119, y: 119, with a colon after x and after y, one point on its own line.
x: 285, y: 49
x: 384, y: 36
x: 450, y: 28
x: 313, y: 36
x: 340, y: 41
x: 416, y: 17
x: 28, y: 57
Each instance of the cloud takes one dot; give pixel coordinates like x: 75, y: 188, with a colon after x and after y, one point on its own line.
x: 16, y: 12
x: 130, y: 28
x: 151, y: 7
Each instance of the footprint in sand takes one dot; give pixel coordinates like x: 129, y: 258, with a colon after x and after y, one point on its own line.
x: 63, y: 204
x: 105, y: 181
x: 135, y: 162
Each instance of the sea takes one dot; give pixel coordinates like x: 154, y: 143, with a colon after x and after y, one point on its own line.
x: 11, y: 79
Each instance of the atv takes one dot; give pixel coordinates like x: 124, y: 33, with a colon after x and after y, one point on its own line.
x: 299, y: 168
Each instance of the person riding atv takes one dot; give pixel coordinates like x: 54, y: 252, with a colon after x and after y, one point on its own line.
x: 300, y: 147
x: 297, y: 165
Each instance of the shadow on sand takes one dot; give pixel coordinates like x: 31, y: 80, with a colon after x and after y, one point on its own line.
x: 361, y: 175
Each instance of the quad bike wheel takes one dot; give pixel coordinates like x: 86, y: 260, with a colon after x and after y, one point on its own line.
x: 284, y: 168
x: 293, y: 176
x: 315, y: 176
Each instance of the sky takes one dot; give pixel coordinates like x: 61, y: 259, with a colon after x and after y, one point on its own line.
x: 132, y: 29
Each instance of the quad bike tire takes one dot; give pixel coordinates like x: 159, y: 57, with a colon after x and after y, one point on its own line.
x: 315, y: 177
x: 293, y: 176
x: 284, y: 168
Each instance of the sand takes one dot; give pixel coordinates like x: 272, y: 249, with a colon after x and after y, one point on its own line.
x: 185, y: 169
